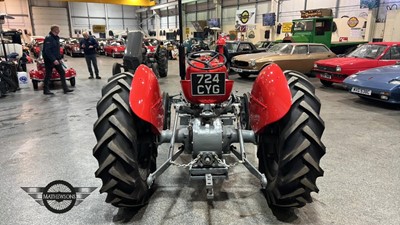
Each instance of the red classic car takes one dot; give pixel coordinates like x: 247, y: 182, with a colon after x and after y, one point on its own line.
x: 114, y: 48
x: 36, y: 47
x: 365, y: 57
x: 38, y: 75
x: 72, y: 48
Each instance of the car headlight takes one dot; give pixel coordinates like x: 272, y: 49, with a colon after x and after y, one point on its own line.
x: 315, y: 65
x: 233, y: 60
x: 338, y: 69
x: 395, y: 81
x: 252, y: 62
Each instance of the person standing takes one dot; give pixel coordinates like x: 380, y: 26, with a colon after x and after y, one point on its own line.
x: 52, y: 59
x: 89, y: 45
x: 161, y: 57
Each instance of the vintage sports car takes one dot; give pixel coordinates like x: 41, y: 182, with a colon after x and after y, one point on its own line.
x: 72, y: 48
x: 367, y: 56
x: 289, y: 56
x: 39, y: 74
x: 102, y: 42
x: 37, y: 46
x: 382, y: 84
x: 115, y: 48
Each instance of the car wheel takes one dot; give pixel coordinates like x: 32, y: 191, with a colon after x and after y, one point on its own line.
x: 290, y: 149
x: 126, y: 148
x: 72, y: 81
x: 35, y: 84
x: 326, y: 83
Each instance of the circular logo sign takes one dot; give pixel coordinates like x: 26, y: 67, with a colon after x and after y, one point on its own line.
x: 59, y: 196
x: 352, y: 22
x: 23, y: 79
x: 245, y: 16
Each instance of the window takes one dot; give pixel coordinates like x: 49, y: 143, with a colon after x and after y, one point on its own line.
x: 318, y: 49
x: 300, y: 49
x: 244, y: 47
x: 369, y: 51
x: 281, y: 48
x: 393, y: 53
x: 304, y: 26
x: 232, y: 47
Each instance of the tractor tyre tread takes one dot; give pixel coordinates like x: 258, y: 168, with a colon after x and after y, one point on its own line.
x: 118, y: 147
x: 290, y: 149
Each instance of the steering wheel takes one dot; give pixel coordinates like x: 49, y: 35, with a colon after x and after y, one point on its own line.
x: 206, y: 63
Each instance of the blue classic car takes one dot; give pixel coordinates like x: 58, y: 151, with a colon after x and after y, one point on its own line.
x: 382, y: 83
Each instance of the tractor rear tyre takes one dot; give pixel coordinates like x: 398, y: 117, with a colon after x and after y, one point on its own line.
x: 290, y: 149
x: 163, y: 71
x: 116, y: 69
x: 126, y: 148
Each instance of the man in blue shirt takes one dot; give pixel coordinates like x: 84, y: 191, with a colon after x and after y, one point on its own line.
x: 52, y: 59
x: 89, y: 45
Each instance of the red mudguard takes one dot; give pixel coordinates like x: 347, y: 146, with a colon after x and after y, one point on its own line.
x: 145, y: 98
x: 270, y: 98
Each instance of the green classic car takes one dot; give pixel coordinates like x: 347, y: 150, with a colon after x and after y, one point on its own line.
x: 289, y: 56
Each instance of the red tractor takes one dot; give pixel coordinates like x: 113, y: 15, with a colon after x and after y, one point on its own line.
x: 280, y: 115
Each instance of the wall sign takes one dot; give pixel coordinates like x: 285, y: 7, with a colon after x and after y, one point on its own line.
x: 99, y: 28
x: 352, y: 22
x: 287, y: 27
x: 246, y: 16
x: 316, y: 13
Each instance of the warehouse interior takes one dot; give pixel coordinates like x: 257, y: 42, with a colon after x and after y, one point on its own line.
x: 64, y: 163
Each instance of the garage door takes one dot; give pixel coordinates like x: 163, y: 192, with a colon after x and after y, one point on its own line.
x: 44, y: 17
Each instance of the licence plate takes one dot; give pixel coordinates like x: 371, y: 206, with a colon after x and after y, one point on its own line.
x: 326, y: 76
x: 208, y: 84
x: 237, y: 70
x: 361, y: 91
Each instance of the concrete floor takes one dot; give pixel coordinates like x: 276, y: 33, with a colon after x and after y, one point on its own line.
x: 45, y: 138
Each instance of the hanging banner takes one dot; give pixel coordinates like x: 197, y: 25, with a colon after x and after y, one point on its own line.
x: 246, y: 16
x: 117, y: 2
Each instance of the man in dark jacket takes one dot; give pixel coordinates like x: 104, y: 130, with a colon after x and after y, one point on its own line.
x: 89, y: 45
x: 52, y: 59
